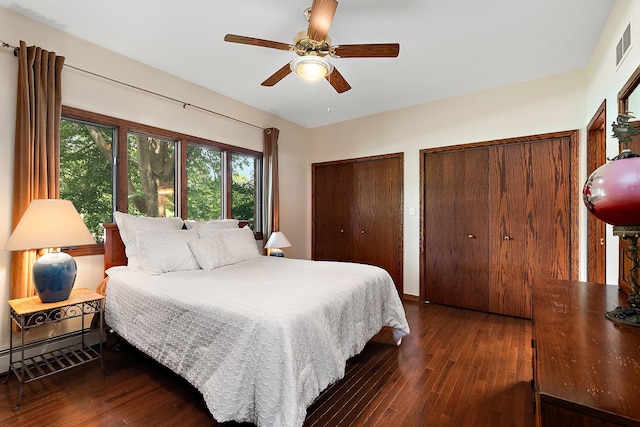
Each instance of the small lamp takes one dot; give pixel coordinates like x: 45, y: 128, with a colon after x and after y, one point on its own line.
x: 51, y: 223
x: 276, y: 241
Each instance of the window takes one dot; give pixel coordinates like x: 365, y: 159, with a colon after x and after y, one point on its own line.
x: 86, y: 171
x: 244, y: 194
x: 151, y: 166
x: 204, y: 183
x: 155, y: 172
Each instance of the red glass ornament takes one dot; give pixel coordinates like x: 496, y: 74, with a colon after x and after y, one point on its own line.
x: 612, y: 192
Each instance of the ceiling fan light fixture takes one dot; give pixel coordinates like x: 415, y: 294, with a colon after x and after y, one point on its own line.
x: 311, y: 68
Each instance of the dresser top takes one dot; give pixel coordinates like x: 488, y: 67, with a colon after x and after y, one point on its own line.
x: 582, y: 357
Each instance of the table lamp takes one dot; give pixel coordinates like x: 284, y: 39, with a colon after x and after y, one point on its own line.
x: 276, y: 241
x: 46, y: 224
x: 612, y: 194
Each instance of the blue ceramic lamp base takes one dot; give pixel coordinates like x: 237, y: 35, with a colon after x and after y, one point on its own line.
x: 54, y: 275
x: 277, y: 252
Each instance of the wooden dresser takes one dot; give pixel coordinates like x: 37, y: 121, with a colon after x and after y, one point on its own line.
x: 586, y: 368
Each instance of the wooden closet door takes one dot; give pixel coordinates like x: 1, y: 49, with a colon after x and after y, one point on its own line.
x: 439, y: 174
x: 551, y: 214
x: 471, y: 225
x: 377, y: 232
x: 357, y: 212
x: 510, y: 228
x: 332, y: 212
x: 456, y: 228
x: 530, y: 230
x: 365, y: 210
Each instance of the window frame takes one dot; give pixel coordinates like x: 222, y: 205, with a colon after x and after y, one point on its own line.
x: 123, y: 127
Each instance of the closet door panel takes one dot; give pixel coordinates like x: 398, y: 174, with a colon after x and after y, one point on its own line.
x: 332, y: 216
x: 471, y: 229
x: 390, y: 244
x: 366, y: 209
x: 377, y: 231
x: 510, y: 194
x: 386, y: 227
x: 550, y: 237
x: 439, y: 245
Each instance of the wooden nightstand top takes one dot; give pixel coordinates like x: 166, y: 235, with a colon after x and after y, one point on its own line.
x: 29, y: 305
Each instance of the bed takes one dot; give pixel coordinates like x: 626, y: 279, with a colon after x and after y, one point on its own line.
x: 261, y: 337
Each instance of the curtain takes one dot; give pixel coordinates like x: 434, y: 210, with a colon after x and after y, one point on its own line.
x: 272, y: 194
x: 37, y: 147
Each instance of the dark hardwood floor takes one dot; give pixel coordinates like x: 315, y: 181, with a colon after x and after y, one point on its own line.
x: 456, y: 368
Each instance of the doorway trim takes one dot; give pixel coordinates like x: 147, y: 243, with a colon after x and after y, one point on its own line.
x: 596, y: 229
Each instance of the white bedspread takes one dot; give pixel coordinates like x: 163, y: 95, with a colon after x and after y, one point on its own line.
x: 260, y: 339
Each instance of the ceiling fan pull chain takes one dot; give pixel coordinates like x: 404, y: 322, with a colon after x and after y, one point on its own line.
x: 329, y: 95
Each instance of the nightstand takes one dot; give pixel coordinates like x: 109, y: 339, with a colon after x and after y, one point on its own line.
x: 28, y: 313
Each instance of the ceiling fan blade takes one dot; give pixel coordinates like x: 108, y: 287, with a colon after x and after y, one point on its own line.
x: 322, y: 12
x: 337, y: 81
x: 256, y: 42
x: 381, y: 50
x: 277, y: 76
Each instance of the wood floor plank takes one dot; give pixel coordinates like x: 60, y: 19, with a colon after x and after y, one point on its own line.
x: 456, y: 368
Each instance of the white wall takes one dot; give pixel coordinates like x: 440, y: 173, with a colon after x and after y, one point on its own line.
x: 97, y: 95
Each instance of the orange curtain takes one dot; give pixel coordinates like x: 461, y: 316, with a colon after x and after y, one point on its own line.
x: 272, y: 194
x: 37, y: 146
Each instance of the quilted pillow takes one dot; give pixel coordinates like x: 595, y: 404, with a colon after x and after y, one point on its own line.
x: 129, y: 225
x: 210, y: 253
x: 239, y: 243
x: 216, y: 224
x: 165, y: 251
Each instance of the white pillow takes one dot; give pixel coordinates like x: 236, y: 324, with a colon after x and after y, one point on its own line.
x: 216, y: 224
x: 165, y: 251
x: 239, y: 242
x: 128, y: 226
x: 210, y: 253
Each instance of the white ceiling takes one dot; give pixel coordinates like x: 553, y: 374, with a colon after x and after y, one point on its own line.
x: 447, y: 47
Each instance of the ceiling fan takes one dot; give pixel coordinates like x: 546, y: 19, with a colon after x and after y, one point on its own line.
x: 312, y: 46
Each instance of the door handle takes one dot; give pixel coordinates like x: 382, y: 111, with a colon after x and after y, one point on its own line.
x: 506, y: 237
x: 602, y: 241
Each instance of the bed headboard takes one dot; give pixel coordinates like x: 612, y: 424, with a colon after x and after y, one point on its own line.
x: 113, y: 247
x: 114, y: 254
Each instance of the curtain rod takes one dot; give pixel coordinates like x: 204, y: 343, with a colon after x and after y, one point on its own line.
x: 184, y: 104
x: 8, y: 46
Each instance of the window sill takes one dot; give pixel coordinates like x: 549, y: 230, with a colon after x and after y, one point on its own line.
x: 96, y: 249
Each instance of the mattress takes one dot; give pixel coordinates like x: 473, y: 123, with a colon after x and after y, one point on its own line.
x: 259, y: 339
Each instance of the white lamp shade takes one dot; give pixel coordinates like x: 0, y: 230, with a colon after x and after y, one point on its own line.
x: 49, y: 223
x: 277, y: 240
